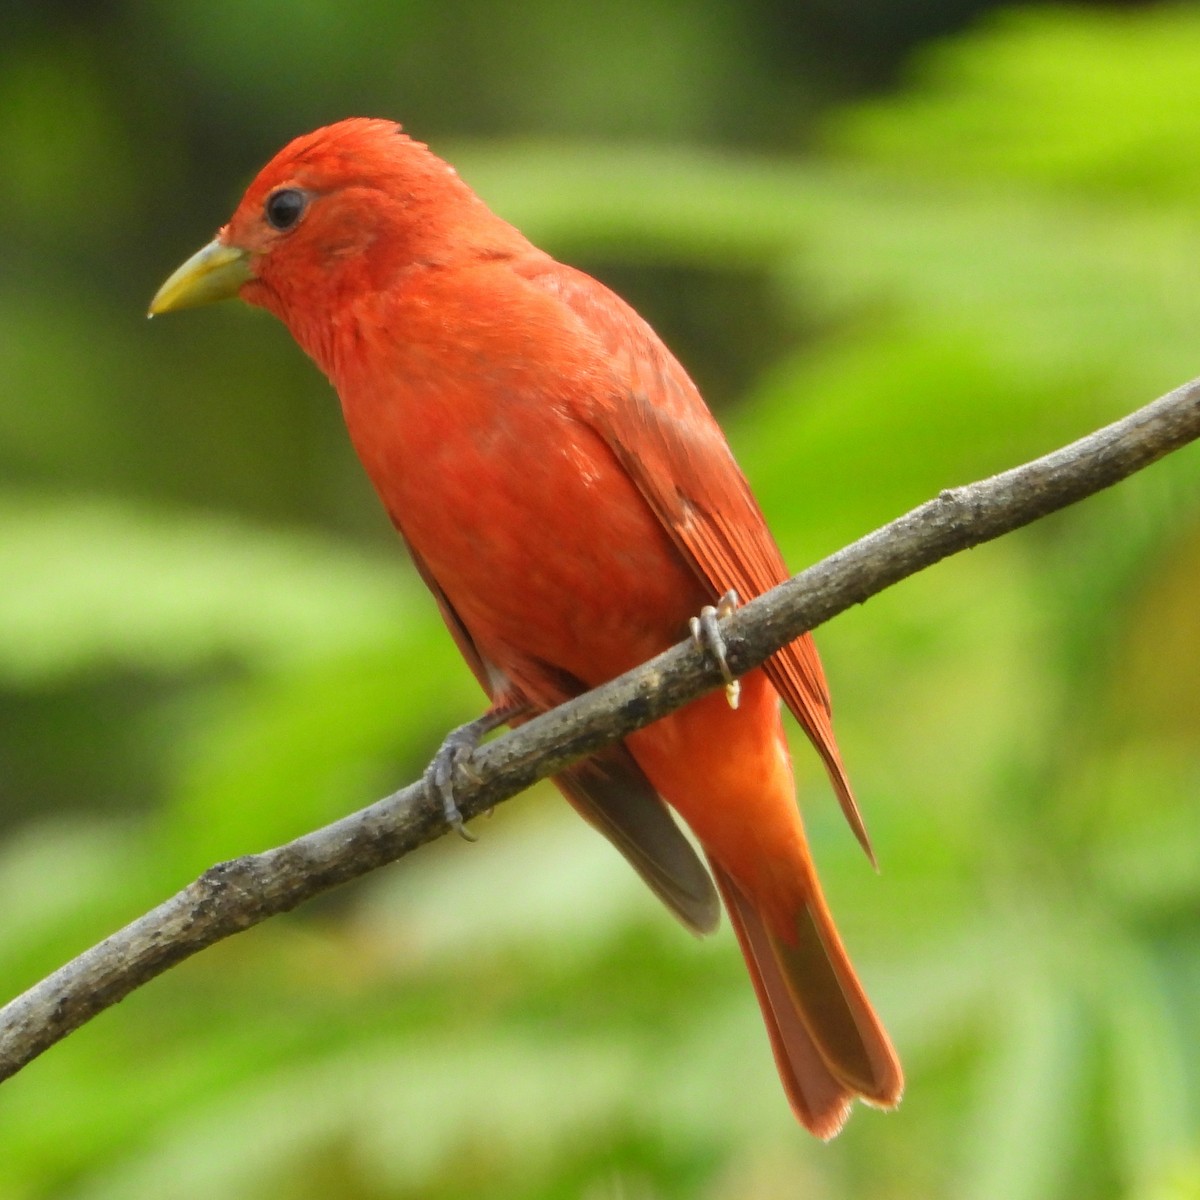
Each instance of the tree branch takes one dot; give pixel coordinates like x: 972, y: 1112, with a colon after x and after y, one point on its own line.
x: 235, y: 895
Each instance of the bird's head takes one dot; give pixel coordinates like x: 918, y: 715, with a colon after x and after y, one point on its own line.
x: 337, y: 212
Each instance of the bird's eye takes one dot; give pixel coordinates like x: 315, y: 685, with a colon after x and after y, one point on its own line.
x: 285, y: 207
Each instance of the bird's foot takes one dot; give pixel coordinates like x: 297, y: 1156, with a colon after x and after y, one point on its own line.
x: 453, y: 755
x: 706, y: 633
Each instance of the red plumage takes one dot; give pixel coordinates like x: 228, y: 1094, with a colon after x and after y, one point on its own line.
x: 571, y: 502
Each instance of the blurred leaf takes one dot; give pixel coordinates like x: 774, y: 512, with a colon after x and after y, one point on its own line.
x: 1099, y: 102
x: 90, y: 581
x: 1027, y: 1097
x: 61, y: 138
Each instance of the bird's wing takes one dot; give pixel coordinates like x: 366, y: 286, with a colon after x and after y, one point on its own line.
x: 608, y: 790
x: 661, y: 431
x: 612, y: 794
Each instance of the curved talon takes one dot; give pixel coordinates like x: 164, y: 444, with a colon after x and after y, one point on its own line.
x: 706, y: 633
x: 454, y: 754
x: 439, y: 777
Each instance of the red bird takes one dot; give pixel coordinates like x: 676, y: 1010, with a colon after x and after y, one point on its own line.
x: 571, y: 503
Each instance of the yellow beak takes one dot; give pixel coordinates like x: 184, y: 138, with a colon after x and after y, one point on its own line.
x: 215, y: 273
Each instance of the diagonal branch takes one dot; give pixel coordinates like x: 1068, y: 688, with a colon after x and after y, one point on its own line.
x: 235, y: 895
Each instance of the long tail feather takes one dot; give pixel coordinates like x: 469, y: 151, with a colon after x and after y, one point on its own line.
x: 829, y: 1045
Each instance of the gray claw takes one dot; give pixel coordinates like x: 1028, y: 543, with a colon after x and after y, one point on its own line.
x: 706, y: 633
x: 455, y: 754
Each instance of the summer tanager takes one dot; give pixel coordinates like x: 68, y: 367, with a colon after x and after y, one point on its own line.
x: 571, y: 503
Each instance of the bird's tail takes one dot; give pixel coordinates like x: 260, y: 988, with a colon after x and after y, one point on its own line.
x: 829, y: 1045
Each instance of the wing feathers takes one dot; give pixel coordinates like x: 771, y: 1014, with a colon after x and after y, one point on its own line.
x: 686, y: 471
x: 610, y: 792
x: 613, y: 795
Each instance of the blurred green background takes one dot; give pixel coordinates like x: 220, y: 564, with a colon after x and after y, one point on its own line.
x: 901, y: 246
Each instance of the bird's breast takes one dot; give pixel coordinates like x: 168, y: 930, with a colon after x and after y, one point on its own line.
x: 522, y: 513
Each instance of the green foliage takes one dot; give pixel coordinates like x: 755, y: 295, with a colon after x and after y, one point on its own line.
x: 1100, y: 105
x: 208, y: 643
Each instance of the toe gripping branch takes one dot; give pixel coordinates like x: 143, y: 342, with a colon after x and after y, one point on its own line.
x: 454, y: 754
x: 706, y: 633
